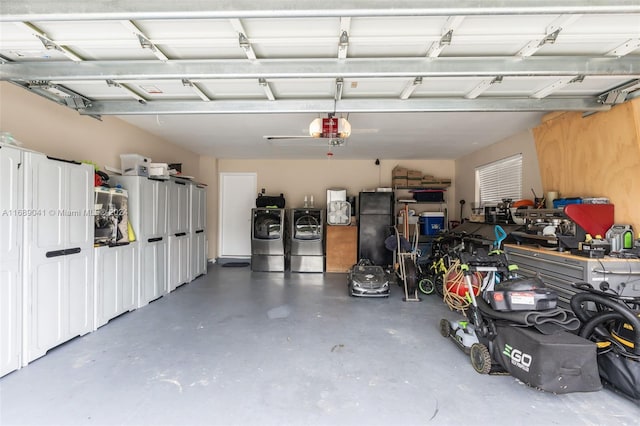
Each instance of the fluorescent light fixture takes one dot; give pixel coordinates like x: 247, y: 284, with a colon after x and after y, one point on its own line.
x: 267, y: 89
x: 410, y: 87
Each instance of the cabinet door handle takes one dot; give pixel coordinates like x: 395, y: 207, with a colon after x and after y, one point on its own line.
x: 55, y: 253
x: 608, y: 272
x: 63, y: 160
x: 154, y: 240
x: 64, y: 252
x: 179, y: 183
x: 181, y: 234
x: 199, y: 231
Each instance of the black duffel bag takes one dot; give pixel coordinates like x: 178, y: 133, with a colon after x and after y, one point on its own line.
x: 274, y: 201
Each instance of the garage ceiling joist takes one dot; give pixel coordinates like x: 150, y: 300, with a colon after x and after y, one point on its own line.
x: 343, y: 106
x: 321, y: 68
x: 34, y: 10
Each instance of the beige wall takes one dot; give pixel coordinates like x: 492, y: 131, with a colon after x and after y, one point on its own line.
x: 297, y: 178
x: 44, y: 126
x: 521, y: 143
x: 55, y: 130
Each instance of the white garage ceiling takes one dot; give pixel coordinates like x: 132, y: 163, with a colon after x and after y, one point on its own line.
x: 416, y: 79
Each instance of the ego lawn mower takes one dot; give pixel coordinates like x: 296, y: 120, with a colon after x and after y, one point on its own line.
x: 513, y: 326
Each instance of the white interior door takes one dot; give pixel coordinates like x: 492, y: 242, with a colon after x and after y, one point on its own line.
x: 237, y: 197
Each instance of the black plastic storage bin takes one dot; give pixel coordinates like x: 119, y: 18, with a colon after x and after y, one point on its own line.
x: 429, y: 195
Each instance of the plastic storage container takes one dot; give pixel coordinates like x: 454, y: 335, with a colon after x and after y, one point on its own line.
x: 134, y: 165
x: 560, y: 203
x: 428, y: 195
x: 431, y: 223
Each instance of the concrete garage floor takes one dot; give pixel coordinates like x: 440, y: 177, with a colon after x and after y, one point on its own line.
x: 242, y: 348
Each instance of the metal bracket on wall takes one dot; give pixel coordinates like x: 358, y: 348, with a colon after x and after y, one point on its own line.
x: 619, y: 94
x: 59, y: 94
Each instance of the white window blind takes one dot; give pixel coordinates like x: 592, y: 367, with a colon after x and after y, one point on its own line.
x: 500, y: 179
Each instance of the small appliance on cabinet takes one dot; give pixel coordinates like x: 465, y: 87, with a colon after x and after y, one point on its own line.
x: 268, y: 239
x: 307, y: 240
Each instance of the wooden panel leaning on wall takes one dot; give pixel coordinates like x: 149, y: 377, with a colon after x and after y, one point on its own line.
x: 594, y: 156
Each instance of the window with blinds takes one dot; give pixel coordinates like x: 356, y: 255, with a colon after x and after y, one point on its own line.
x: 498, y: 180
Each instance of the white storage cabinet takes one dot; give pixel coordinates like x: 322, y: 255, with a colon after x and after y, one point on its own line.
x: 148, y: 218
x: 179, y: 236
x: 198, y: 230
x: 116, y: 276
x: 58, y: 248
x: 11, y: 216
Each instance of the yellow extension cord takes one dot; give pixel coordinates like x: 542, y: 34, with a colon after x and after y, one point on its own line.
x: 454, y: 278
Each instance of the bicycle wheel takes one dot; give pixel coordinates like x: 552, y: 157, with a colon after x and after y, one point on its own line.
x: 426, y: 286
x: 439, y: 285
x: 410, y: 275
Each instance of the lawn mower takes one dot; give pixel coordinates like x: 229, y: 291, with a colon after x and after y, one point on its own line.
x: 513, y: 326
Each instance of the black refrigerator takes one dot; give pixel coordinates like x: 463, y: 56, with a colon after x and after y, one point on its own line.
x: 375, y: 224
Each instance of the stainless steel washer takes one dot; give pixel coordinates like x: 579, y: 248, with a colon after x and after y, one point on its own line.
x: 269, y: 240
x: 307, y: 240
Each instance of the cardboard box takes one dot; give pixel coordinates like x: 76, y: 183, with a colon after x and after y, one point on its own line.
x: 435, y: 182
x: 414, y: 183
x: 400, y: 172
x: 397, y: 182
x: 414, y: 174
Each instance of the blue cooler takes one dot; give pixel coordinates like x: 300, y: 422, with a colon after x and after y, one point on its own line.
x: 431, y: 223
